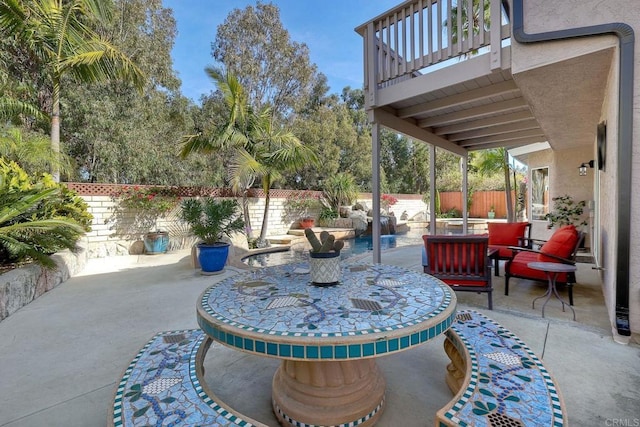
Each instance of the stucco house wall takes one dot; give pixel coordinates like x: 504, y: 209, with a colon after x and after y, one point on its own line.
x: 550, y: 15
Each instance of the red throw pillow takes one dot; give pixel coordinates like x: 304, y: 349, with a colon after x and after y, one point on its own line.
x: 506, y: 234
x: 560, y: 244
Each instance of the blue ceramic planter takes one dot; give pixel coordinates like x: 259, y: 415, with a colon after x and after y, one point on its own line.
x: 213, y: 258
x: 156, y: 243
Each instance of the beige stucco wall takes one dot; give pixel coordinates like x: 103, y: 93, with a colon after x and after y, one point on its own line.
x: 563, y: 179
x: 608, y: 197
x: 550, y: 15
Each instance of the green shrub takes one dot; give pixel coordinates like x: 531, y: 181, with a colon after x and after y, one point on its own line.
x: 37, y: 217
x: 210, y: 219
x: 340, y: 190
x: 327, y: 214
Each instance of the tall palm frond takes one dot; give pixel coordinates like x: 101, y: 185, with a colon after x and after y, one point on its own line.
x: 32, y: 151
x: 21, y: 237
x: 11, y: 107
x: 59, y: 35
x: 261, y: 150
x: 467, y: 22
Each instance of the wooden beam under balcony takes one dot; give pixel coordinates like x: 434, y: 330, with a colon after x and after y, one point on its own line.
x: 508, y: 86
x: 484, y: 123
x: 475, y: 112
x: 494, y: 130
x: 505, y: 138
x: 412, y: 131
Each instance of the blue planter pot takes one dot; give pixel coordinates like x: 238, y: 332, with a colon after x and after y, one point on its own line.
x: 156, y: 243
x: 213, y: 258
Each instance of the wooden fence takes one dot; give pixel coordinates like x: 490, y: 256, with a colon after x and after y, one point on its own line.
x: 481, y: 203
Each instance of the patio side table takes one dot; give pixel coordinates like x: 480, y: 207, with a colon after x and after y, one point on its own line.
x: 552, y: 269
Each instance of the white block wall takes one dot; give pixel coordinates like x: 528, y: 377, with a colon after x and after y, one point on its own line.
x: 103, y: 242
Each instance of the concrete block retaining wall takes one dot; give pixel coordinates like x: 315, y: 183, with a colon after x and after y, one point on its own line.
x: 20, y: 286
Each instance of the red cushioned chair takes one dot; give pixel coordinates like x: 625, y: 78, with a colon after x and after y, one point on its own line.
x: 461, y: 262
x: 503, y: 235
x: 561, y: 247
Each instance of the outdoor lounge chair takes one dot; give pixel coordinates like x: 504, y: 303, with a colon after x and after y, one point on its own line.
x: 461, y: 262
x: 502, y: 235
x: 561, y: 247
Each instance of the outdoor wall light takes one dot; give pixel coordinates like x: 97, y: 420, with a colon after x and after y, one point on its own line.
x: 583, y: 167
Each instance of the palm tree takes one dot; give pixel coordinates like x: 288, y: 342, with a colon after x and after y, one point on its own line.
x: 21, y: 236
x: 234, y: 133
x: 261, y: 149
x: 474, y: 22
x: 496, y: 160
x: 58, y: 34
x: 273, y: 152
x: 32, y: 151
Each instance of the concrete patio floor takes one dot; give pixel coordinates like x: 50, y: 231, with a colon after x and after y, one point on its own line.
x: 62, y: 355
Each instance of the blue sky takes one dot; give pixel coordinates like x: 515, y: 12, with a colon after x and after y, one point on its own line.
x: 326, y: 27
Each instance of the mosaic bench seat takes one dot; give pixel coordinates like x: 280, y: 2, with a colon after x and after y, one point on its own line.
x: 497, y: 380
x: 163, y: 386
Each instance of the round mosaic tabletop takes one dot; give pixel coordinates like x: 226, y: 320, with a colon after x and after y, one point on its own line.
x: 374, y: 310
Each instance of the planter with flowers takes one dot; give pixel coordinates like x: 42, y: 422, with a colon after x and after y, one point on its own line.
x: 300, y: 206
x: 386, y: 201
x: 492, y: 212
x: 137, y: 211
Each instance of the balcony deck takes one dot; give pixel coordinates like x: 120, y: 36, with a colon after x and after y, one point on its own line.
x: 461, y: 93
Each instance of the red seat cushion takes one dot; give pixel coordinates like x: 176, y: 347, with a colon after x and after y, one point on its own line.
x: 561, y: 244
x: 503, y: 251
x: 518, y: 267
x: 506, y: 234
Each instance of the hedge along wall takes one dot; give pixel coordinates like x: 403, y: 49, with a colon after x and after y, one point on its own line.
x: 103, y: 241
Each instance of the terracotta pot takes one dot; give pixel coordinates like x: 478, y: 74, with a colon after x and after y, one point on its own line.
x: 307, y: 222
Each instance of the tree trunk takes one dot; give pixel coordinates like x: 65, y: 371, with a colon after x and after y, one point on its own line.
x: 55, y: 131
x: 507, y: 188
x: 245, y: 211
x: 265, y: 217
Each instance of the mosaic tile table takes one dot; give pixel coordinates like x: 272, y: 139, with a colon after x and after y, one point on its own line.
x: 328, y: 337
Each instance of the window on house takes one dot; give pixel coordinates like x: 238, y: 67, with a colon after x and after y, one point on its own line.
x: 539, y: 193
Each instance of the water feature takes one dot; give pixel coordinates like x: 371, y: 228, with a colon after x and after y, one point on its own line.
x: 352, y: 247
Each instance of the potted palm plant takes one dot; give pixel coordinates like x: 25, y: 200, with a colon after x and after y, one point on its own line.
x: 210, y: 221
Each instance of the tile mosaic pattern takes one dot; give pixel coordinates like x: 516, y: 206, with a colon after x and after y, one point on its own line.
x: 509, y: 386
x: 276, y: 311
x: 160, y: 387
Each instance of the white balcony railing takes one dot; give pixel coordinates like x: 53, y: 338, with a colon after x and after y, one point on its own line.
x: 420, y: 33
